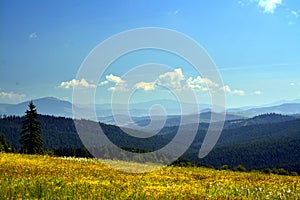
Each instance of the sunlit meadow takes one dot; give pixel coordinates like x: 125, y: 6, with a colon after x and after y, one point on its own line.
x: 45, y: 177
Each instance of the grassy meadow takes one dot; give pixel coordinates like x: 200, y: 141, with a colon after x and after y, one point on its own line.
x: 45, y: 177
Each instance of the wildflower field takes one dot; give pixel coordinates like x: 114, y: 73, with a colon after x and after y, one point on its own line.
x: 44, y: 177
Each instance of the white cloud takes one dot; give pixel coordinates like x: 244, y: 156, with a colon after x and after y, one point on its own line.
x: 103, y: 83
x: 292, y: 84
x: 269, y: 6
x: 145, y: 86
x: 11, y: 97
x: 33, y: 35
x: 113, y: 78
x: 172, y: 80
x: 176, y: 80
x: 227, y: 89
x: 238, y: 92
x: 200, y: 83
x: 77, y: 83
x: 258, y: 92
x: 120, y: 85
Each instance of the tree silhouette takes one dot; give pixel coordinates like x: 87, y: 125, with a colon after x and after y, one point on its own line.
x: 31, y: 140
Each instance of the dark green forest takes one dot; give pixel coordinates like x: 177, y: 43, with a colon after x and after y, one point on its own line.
x: 258, y: 145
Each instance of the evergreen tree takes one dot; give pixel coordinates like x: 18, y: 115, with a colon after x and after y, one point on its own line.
x: 31, y: 140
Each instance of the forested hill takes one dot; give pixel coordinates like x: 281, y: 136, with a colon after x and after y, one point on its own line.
x: 260, y: 119
x: 56, y: 131
x: 256, y: 143
x: 275, y: 145
x: 60, y: 132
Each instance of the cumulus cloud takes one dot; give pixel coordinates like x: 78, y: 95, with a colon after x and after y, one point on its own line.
x: 103, y: 83
x: 200, y: 83
x: 257, y: 92
x: 269, y: 6
x: 77, y: 83
x: 172, y: 80
x: 11, y: 97
x: 145, y: 86
x: 33, y: 35
x: 113, y: 78
x: 176, y: 80
x: 238, y: 92
x: 120, y: 85
x: 227, y: 89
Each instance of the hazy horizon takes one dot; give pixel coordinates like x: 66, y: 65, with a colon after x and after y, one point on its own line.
x: 254, y: 45
x: 272, y: 103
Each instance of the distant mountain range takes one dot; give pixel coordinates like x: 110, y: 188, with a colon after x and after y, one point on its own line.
x: 140, y: 111
x: 204, y: 117
x: 45, y: 106
x: 286, y: 108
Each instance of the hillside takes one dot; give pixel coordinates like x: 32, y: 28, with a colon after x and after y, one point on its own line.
x: 44, y: 177
x: 257, y: 146
x: 175, y: 120
x: 60, y: 132
x: 260, y: 119
x: 254, y: 146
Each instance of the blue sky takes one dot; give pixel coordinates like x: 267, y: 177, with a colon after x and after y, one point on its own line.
x: 254, y: 43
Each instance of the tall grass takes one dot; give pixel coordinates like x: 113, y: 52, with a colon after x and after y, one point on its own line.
x: 44, y: 177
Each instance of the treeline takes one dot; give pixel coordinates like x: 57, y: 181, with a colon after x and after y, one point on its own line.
x: 238, y: 168
x: 257, y: 147
x: 57, y: 132
x: 108, y: 153
x: 4, y: 146
x: 60, y: 132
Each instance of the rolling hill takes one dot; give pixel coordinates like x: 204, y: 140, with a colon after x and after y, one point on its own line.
x: 273, y: 143
x: 45, y: 177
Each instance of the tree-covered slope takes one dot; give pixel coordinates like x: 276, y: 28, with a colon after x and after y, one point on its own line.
x: 255, y: 146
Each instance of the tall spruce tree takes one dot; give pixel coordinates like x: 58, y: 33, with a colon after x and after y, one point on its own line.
x: 31, y: 140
